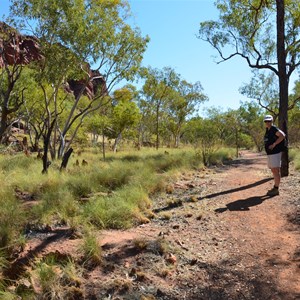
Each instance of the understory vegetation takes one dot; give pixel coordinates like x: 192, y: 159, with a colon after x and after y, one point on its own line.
x: 115, y: 193
x: 67, y: 85
x: 111, y: 194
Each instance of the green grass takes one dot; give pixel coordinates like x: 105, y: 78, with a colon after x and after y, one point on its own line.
x: 222, y: 155
x: 11, y: 217
x: 107, y: 194
x: 114, y: 194
x: 91, y: 248
x: 58, y: 279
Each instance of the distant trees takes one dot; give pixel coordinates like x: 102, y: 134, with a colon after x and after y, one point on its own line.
x: 62, y: 99
x: 73, y: 36
x: 266, y: 34
x: 170, y: 99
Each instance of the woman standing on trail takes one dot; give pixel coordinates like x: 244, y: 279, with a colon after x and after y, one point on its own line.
x: 274, y: 145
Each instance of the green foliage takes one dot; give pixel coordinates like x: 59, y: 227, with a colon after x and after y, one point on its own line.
x: 121, y: 210
x: 204, y: 135
x: 72, y: 37
x: 124, y: 116
x: 8, y: 296
x: 251, y: 120
x: 167, y: 100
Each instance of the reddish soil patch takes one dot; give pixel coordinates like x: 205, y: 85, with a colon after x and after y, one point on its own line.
x: 225, y: 239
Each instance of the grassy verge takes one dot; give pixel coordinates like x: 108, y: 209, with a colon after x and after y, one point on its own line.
x: 97, y: 195
x: 110, y: 194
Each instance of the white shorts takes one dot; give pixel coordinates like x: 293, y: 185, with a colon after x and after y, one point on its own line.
x: 274, y: 160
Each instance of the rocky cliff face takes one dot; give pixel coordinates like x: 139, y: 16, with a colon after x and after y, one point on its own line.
x: 18, y: 49
x: 93, y: 87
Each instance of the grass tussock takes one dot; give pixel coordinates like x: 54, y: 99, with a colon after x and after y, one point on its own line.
x: 91, y: 249
x: 105, y: 194
x: 54, y: 279
x: 11, y: 218
x: 100, y: 194
x: 110, y: 194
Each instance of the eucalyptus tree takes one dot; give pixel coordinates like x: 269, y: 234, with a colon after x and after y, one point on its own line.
x: 157, y: 91
x: 125, y: 113
x: 172, y: 99
x: 146, y: 126
x: 10, y: 73
x: 185, y: 102
x: 76, y: 34
x: 204, y: 135
x: 251, y: 120
x: 266, y: 34
x: 294, y: 115
x: 217, y: 116
x: 263, y: 88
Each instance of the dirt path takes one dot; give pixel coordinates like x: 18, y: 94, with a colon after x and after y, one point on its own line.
x: 230, y: 241
x: 215, y: 236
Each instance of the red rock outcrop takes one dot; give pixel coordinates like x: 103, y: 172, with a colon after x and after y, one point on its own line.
x: 18, y: 49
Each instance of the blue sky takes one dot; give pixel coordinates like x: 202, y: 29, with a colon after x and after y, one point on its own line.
x: 172, y: 26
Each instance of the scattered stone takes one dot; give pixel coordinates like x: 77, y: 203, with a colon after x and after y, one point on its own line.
x: 171, y: 258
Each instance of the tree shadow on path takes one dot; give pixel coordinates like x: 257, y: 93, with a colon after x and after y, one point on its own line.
x: 243, y: 204
x: 241, y: 188
x: 234, y: 190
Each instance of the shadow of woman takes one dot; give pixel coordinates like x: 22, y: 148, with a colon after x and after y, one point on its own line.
x: 243, y: 204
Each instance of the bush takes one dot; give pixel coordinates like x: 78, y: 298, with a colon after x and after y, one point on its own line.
x: 221, y: 155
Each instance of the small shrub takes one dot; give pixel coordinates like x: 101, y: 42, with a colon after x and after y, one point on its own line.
x: 221, y: 155
x: 4, y: 295
x: 56, y: 205
x: 19, y: 161
x: 47, y: 274
x: 114, y: 175
x: 121, y: 285
x: 159, y: 246
x: 81, y: 185
x: 121, y: 210
x: 3, y: 265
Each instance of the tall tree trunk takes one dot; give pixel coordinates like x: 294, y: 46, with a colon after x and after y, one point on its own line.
x: 65, y: 159
x: 117, y: 140
x: 46, y: 148
x: 103, y: 145
x: 3, y: 123
x: 157, y: 127
x: 283, y: 82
